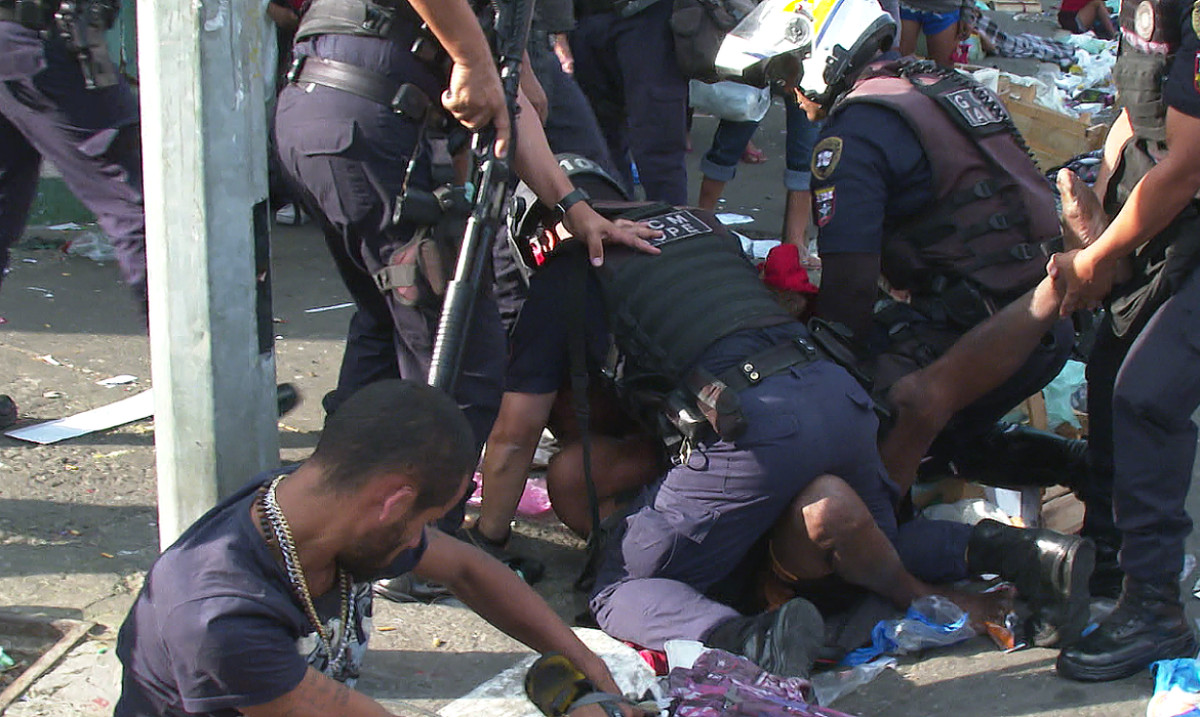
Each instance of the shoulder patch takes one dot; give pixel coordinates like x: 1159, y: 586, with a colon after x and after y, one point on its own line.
x: 825, y: 202
x: 826, y: 156
x: 1196, y: 18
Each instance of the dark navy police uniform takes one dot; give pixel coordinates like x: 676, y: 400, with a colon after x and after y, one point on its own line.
x: 348, y: 156
x: 626, y: 67
x: 871, y: 174
x: 91, y: 136
x: 1144, y: 371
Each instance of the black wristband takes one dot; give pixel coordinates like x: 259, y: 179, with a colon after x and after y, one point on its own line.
x: 572, y: 198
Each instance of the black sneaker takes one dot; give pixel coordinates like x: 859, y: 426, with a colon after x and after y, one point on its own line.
x: 1147, y: 625
x: 784, y: 642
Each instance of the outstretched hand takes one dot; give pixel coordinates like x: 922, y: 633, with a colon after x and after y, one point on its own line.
x: 594, y: 230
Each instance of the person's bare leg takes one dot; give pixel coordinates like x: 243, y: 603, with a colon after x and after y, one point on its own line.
x: 619, y: 465
x: 910, y: 31
x: 506, y: 459
x: 828, y: 529
x: 710, y: 191
x: 942, y: 45
x: 985, y: 357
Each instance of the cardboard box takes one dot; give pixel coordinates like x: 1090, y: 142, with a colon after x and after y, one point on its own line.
x: 1053, y: 138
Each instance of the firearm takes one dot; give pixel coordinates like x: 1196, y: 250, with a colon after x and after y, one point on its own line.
x: 492, y: 183
x: 82, y: 30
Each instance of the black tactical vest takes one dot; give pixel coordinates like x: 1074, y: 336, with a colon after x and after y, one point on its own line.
x: 1149, y: 40
x: 993, y: 220
x: 664, y: 310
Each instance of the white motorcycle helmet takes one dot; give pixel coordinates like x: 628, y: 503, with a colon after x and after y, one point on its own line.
x: 816, y: 45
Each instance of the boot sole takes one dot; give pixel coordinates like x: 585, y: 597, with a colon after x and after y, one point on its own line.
x: 1182, y: 646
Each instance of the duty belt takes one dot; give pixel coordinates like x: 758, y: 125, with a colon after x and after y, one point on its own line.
x: 751, y: 371
x: 404, y: 98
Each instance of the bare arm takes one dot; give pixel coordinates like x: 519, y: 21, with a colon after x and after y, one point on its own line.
x: 503, y: 599
x: 318, y: 696
x: 1152, y: 205
x: 506, y: 459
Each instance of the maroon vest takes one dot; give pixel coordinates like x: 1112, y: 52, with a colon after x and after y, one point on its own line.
x: 993, y: 219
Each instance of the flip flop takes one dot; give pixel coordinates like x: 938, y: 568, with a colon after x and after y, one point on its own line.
x: 754, y: 155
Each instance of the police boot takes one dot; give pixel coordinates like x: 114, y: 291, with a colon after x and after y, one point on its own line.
x: 783, y: 642
x: 1108, y: 577
x: 1050, y: 571
x: 8, y: 411
x: 1148, y: 624
x: 1012, y: 455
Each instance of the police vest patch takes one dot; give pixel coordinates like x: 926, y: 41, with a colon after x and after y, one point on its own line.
x: 973, y: 109
x: 825, y: 202
x: 1196, y: 18
x: 826, y: 156
x: 676, y: 225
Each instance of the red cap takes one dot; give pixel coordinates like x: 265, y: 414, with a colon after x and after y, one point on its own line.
x: 783, y: 270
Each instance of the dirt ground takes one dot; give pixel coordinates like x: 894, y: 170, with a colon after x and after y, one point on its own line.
x: 78, y: 522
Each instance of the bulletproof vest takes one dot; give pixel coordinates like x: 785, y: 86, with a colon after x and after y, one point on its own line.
x: 1149, y: 39
x: 364, y: 18
x: 664, y: 310
x: 992, y: 214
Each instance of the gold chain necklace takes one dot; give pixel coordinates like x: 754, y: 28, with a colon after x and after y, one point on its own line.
x: 281, y: 531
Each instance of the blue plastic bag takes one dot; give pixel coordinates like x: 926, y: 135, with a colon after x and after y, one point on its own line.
x: 931, y: 621
x: 1176, y: 689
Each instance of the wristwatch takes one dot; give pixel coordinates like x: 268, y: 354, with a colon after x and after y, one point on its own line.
x: 572, y: 198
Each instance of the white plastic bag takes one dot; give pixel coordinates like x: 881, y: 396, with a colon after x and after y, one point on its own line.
x: 731, y: 101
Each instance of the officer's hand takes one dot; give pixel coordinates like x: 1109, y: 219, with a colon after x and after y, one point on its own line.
x: 1083, y: 278
x: 562, y: 50
x: 586, y: 225
x: 475, y: 98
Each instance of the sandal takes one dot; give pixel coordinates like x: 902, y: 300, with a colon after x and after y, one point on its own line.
x: 753, y: 155
x: 530, y: 570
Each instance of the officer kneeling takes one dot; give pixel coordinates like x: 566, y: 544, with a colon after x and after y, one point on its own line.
x: 777, y: 450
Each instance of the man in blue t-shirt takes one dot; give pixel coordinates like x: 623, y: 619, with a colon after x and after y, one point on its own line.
x: 263, y: 606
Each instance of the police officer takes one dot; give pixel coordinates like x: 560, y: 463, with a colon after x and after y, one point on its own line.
x: 363, y: 94
x: 69, y: 105
x: 778, y: 446
x: 920, y: 176
x: 625, y: 63
x: 1144, y: 372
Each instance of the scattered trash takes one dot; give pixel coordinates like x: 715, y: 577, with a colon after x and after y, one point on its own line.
x: 387, y: 628
x: 729, y: 219
x: 44, y: 292
x: 29, y: 261
x: 93, y: 245
x: 721, y: 683
x: 121, y: 380
x: 831, y: 685
x: 967, y: 510
x: 733, y: 101
x: 1059, y: 392
x: 50, y: 360
x: 534, y: 501
x: 124, y: 411
x: 1176, y: 689
x: 6, y: 662
x: 931, y: 621
x: 107, y: 555
x: 52, y: 394
x: 65, y: 227
x: 319, y: 309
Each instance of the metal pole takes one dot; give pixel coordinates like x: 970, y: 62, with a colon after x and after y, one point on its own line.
x: 211, y: 338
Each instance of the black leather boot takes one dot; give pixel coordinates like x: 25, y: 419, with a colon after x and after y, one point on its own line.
x: 783, y: 642
x: 1050, y: 571
x: 1017, y: 456
x: 1108, y: 577
x: 1148, y: 624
